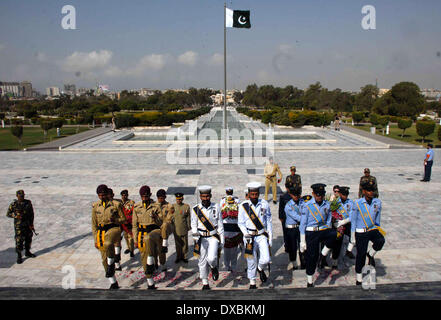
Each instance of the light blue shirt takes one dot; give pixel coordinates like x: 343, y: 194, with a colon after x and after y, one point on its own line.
x: 347, y: 205
x: 308, y: 219
x: 262, y: 210
x: 430, y: 153
x: 293, y: 211
x: 374, y: 210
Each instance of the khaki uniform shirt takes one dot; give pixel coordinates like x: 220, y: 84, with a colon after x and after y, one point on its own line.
x: 146, y: 214
x: 181, y: 217
x: 111, y: 213
x: 271, y: 170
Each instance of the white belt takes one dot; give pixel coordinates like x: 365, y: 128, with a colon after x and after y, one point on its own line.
x: 291, y: 226
x: 255, y: 232
x: 316, y: 228
x: 206, y: 233
x: 362, y: 230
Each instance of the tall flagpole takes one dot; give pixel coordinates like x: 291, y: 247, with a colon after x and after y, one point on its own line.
x: 225, y: 66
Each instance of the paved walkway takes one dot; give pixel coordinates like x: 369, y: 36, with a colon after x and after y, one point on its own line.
x: 70, y: 140
x: 393, y: 143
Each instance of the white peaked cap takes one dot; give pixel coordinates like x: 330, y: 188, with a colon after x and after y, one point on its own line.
x: 204, y: 189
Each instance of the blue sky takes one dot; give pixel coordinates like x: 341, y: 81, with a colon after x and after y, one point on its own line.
x: 177, y: 44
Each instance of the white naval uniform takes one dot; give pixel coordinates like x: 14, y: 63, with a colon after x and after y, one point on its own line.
x: 230, y: 254
x: 209, y: 245
x: 261, y: 245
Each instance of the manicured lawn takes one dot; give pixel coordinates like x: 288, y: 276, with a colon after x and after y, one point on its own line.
x: 33, y: 136
x: 410, y: 134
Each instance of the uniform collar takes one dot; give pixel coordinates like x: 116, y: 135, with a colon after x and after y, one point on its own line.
x: 313, y: 201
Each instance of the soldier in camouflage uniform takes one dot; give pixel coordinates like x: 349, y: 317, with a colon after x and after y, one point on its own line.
x: 367, y: 178
x: 23, y: 213
x: 294, y: 179
x: 107, y: 218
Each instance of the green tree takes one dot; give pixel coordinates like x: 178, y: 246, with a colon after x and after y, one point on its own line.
x: 367, y: 97
x: 374, y: 119
x: 357, y: 116
x: 425, y: 128
x: 46, y: 126
x: 383, y: 122
x: 17, y: 131
x: 439, y: 133
x: 403, y: 124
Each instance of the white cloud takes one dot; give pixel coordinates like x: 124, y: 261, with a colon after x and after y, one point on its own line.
x: 216, y: 59
x: 153, y: 61
x: 113, y: 71
x: 188, y: 58
x: 41, y: 56
x: 84, y: 61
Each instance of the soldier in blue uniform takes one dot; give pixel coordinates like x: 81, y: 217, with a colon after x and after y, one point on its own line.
x: 283, y: 200
x: 365, y: 227
x: 343, y: 225
x: 293, y: 213
x: 315, y: 227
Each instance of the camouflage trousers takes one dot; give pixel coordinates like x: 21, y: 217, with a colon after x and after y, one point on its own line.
x: 23, y: 236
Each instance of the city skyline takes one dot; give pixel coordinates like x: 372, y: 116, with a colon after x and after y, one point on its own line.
x: 144, y: 45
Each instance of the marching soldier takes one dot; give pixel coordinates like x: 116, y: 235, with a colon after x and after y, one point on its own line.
x: 233, y: 235
x: 254, y: 221
x: 283, y: 200
x: 182, y: 224
x: 293, y: 211
x: 128, y: 206
x: 294, y: 179
x: 23, y: 213
x: 271, y: 170
x: 117, y: 244
x: 208, y: 234
x: 365, y: 227
x: 342, y: 225
x: 367, y: 177
x: 107, y: 218
x: 167, y: 223
x: 147, y: 233
x: 229, y: 192
x: 315, y: 227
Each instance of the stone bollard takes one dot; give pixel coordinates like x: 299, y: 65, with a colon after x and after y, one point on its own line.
x: 58, y: 132
x: 387, y: 130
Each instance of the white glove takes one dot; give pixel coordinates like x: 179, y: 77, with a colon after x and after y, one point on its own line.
x: 248, y: 237
x: 342, y: 222
x: 302, y: 243
x: 195, y: 237
x: 335, y: 224
x: 222, y: 240
x: 353, y: 238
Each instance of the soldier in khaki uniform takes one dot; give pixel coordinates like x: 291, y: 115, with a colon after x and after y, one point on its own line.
x: 147, y: 233
x: 117, y: 244
x: 294, y: 179
x: 167, y: 226
x: 128, y: 206
x: 182, y: 223
x: 271, y: 170
x: 106, y: 220
x: 367, y: 178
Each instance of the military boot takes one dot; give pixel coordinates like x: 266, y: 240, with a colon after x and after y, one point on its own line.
x: 322, y: 262
x: 262, y: 275
x: 349, y: 254
x: 29, y: 254
x: 114, y: 286
x: 19, y: 258
x: 110, y: 270
x: 205, y: 287
x: 215, y: 273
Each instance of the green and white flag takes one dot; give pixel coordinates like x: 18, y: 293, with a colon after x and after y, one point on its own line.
x: 237, y: 19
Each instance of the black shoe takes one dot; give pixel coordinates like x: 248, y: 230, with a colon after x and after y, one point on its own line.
x: 132, y: 254
x: 357, y: 283
x: 275, y: 202
x: 294, y: 267
x: 110, y: 271
x: 164, y: 250
x: 205, y: 287
x: 371, y: 260
x: 310, y: 285
x: 323, y: 263
x: 215, y: 273
x: 253, y: 286
x: 164, y: 268
x: 152, y: 287
x: 424, y: 180
x: 177, y: 260
x: 184, y: 260
x: 350, y: 255
x: 19, y: 258
x: 126, y: 251
x: 118, y: 269
x: 29, y: 254
x: 262, y: 275
x: 334, y: 267
x: 114, y: 286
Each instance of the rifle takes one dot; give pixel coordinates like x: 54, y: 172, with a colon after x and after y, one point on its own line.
x: 33, y: 230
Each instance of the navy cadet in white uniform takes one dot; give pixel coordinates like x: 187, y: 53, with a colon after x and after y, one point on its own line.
x: 208, y: 235
x: 293, y: 211
x: 365, y: 227
x: 255, y: 223
x: 315, y: 227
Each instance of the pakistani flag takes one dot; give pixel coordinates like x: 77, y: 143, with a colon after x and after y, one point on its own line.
x: 237, y: 19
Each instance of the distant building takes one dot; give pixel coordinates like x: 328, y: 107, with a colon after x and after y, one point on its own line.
x: 26, y: 89
x: 219, y: 97
x: 70, y: 89
x: 431, y: 94
x: 10, y: 89
x: 382, y: 92
x: 82, y: 91
x: 53, y: 92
